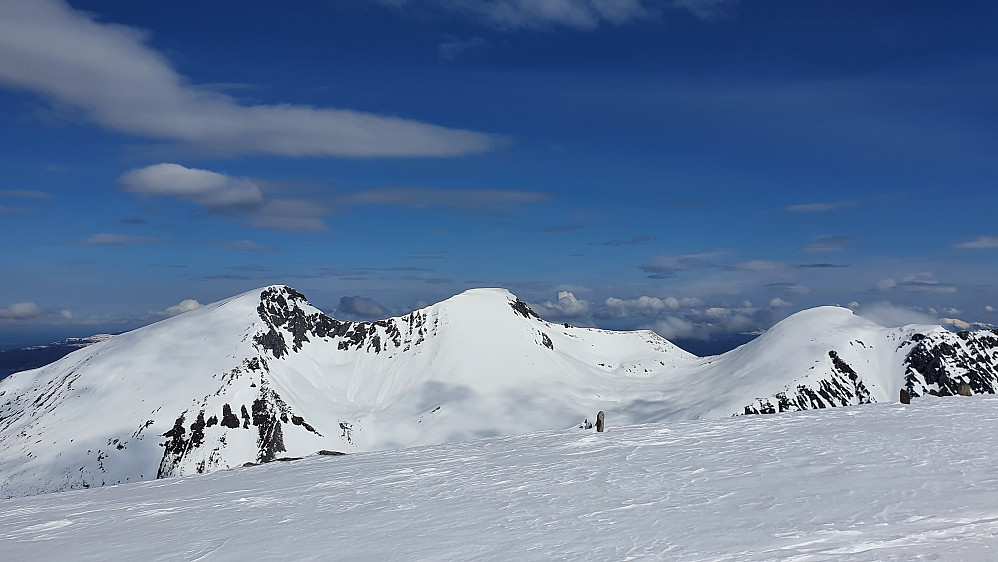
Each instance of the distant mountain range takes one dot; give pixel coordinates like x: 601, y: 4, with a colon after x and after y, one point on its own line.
x: 265, y: 375
x: 26, y: 358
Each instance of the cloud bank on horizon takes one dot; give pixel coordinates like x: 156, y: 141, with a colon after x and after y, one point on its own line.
x: 616, y: 163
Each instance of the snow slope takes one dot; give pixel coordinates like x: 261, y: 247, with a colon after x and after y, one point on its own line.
x: 843, y: 484
x: 265, y: 375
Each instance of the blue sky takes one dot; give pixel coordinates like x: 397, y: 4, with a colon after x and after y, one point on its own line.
x: 698, y: 167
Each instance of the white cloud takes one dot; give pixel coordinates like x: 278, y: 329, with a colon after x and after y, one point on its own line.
x: 111, y: 74
x: 717, y: 313
x: 567, y: 307
x: 885, y: 285
x: 66, y: 315
x: 892, y: 316
x: 20, y: 311
x: 212, y: 190
x: 673, y: 327
x: 642, y: 305
x: 982, y: 243
x: 184, y: 306
x: 989, y: 308
x: 779, y: 303
x: 109, y: 239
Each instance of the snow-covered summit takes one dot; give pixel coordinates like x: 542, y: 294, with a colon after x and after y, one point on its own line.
x: 266, y: 375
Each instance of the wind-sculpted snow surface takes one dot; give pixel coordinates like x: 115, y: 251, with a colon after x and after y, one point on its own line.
x: 847, y: 484
x: 265, y: 376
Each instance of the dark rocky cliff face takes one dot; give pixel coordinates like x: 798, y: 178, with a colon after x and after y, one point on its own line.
x: 937, y: 364
x: 843, y: 387
x: 940, y: 363
x: 280, y: 309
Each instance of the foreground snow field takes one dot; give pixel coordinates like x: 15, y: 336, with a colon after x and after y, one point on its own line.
x: 879, y: 481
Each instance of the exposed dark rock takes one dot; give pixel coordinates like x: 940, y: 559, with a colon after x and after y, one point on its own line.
x: 246, y: 416
x: 600, y: 421
x: 229, y: 419
x: 842, y: 388
x: 941, y: 362
x: 298, y: 420
x: 272, y: 341
x: 270, y: 440
x: 281, y: 309
x: 522, y: 309
x: 174, y: 448
x: 213, y: 420
x: 197, y: 432
x: 327, y: 452
x: 965, y: 390
x: 905, y: 397
x: 546, y: 341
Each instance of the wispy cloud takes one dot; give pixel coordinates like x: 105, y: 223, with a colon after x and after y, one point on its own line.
x: 428, y: 255
x: 477, y: 200
x: 706, y: 9
x: 916, y: 283
x: 23, y: 194
x: 509, y: 15
x: 245, y: 246
x: 111, y: 74
x: 827, y: 244
x: 452, y: 48
x: 759, y: 265
x: 109, y: 239
x: 982, y: 243
x: 663, y: 267
x: 635, y: 241
x: 819, y: 207
x: 291, y: 215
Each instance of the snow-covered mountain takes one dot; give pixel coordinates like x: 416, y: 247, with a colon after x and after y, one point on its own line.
x: 265, y: 375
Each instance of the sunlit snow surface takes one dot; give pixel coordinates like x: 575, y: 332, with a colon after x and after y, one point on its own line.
x: 882, y: 481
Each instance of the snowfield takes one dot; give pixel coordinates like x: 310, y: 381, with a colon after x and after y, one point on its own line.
x: 871, y: 482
